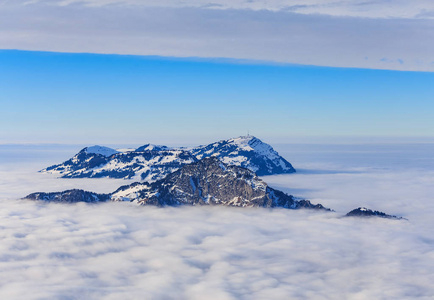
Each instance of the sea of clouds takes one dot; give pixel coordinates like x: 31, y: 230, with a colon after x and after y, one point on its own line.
x: 121, y: 251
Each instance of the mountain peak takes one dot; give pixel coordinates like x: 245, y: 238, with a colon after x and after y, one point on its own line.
x: 248, y: 152
x: 152, y: 147
x: 244, y: 140
x: 105, y: 151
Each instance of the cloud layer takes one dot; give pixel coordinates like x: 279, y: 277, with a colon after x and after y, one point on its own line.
x: 119, y: 251
x: 352, y: 8
x: 308, y: 33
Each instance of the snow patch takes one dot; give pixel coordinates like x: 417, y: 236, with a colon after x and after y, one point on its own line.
x: 152, y: 147
x: 106, y: 151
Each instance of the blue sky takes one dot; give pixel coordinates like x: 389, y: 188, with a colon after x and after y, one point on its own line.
x: 108, y: 99
x: 195, y: 71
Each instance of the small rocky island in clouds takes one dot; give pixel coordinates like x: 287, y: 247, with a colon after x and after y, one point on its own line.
x: 366, y: 212
x: 223, y: 173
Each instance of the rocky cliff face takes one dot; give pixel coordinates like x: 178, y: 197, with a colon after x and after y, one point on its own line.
x: 207, y: 182
x: 153, y: 162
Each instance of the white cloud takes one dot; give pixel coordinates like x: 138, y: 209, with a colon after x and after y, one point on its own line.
x: 327, y: 35
x: 119, y: 251
x: 352, y: 8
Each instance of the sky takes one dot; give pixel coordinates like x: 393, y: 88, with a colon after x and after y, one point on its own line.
x: 52, y: 97
x: 188, y: 72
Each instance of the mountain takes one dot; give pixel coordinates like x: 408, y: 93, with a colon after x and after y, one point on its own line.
x: 69, y: 196
x: 153, y: 162
x: 205, y: 182
x: 247, y: 152
x: 365, y: 212
x: 104, y: 151
x: 146, y: 165
x: 209, y: 182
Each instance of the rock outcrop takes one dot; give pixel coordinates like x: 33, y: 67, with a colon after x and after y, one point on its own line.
x: 69, y: 196
x: 365, y: 212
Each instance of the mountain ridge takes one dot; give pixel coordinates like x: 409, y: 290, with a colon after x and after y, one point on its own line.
x: 205, y: 182
x: 153, y: 162
x: 148, y: 165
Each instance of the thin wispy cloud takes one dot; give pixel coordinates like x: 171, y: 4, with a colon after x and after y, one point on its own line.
x: 341, y: 34
x: 353, y: 8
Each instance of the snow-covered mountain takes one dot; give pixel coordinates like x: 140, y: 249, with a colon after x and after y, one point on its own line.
x: 205, y: 182
x: 152, y: 162
x: 247, y: 152
x: 147, y: 165
x: 209, y: 182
